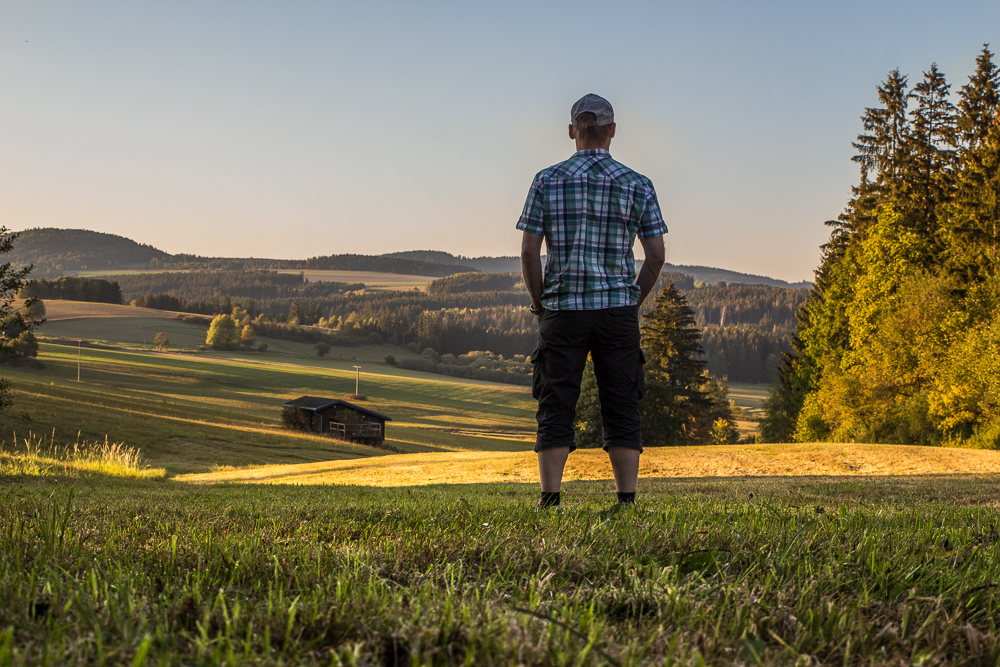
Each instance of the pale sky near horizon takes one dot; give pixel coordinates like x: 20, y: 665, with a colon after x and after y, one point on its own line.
x: 296, y: 129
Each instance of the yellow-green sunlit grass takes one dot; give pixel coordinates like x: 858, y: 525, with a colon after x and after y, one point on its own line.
x: 786, y: 460
x: 32, y: 456
x: 57, y: 309
x: 189, y: 413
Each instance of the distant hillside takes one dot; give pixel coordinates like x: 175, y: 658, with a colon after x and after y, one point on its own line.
x: 58, y: 252
x: 710, y: 276
x: 55, y: 252
x: 512, y: 264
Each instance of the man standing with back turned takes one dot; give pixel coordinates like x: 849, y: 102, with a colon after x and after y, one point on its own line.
x: 589, y: 209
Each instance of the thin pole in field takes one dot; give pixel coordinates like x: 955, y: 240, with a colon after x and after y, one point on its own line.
x: 357, y: 381
x: 79, y: 343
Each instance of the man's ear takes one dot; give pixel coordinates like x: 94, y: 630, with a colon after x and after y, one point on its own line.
x: 572, y: 132
x: 614, y: 126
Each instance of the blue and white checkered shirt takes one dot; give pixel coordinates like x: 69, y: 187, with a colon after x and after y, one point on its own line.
x: 590, y: 209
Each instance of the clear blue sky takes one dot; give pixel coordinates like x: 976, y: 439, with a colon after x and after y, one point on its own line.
x: 295, y: 129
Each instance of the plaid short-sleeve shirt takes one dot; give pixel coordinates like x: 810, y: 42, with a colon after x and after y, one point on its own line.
x: 590, y: 209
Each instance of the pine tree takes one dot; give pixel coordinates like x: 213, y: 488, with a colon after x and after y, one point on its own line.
x: 675, y: 405
x: 671, y: 340
x: 933, y: 152
x: 882, y: 146
x: 972, y: 225
x: 978, y: 101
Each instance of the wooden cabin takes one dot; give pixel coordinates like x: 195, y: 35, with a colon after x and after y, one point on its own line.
x: 333, y: 416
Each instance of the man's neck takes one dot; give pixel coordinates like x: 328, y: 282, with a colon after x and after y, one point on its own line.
x: 592, y: 145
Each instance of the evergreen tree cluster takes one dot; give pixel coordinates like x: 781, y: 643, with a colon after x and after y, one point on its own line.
x: 94, y: 290
x: 899, y: 341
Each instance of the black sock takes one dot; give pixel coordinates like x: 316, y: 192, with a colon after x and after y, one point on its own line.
x: 626, y: 497
x: 549, y: 499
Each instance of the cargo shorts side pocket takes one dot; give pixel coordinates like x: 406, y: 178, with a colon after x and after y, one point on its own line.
x: 641, y: 376
x: 536, y: 373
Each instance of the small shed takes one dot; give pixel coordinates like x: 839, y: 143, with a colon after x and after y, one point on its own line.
x: 333, y: 416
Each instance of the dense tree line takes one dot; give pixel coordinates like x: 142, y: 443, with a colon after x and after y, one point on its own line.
x: 214, y: 286
x: 743, y: 352
x: 746, y: 326
x: 94, y: 290
x: 899, y: 340
x: 767, y: 308
x: 384, y: 264
x: 462, y: 283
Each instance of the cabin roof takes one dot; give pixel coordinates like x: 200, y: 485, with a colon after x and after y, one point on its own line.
x: 314, y: 404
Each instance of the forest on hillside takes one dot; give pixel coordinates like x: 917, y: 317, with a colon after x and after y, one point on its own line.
x: 899, y: 341
x: 745, y: 327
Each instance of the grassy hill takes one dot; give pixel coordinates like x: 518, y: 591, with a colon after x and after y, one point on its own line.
x: 57, y: 252
x: 256, y: 545
x: 189, y: 410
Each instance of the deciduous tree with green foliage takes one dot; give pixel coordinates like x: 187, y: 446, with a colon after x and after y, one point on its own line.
x: 161, y: 341
x: 248, y: 336
x: 222, y: 333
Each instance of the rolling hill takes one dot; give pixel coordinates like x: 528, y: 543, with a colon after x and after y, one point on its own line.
x: 58, y: 252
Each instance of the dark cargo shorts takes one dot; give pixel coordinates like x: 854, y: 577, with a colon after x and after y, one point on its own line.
x: 611, y: 336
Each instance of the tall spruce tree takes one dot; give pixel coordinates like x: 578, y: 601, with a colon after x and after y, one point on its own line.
x: 978, y: 101
x: 933, y: 144
x: 676, y: 406
x: 972, y: 220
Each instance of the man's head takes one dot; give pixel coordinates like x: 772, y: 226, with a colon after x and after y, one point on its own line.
x: 592, y: 122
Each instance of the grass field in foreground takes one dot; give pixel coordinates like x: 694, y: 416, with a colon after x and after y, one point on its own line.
x: 728, y: 461
x: 772, y: 571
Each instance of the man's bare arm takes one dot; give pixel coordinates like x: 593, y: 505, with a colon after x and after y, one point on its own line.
x: 531, y: 266
x: 650, y: 271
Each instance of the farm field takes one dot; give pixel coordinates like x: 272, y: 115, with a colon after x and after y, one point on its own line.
x: 191, y: 412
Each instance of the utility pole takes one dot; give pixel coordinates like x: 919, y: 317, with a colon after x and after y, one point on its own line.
x: 79, y: 343
x: 357, y: 381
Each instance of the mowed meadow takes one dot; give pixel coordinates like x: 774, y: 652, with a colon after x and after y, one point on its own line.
x: 156, y: 512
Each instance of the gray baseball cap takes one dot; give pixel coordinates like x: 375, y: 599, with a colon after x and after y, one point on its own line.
x: 596, y: 105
